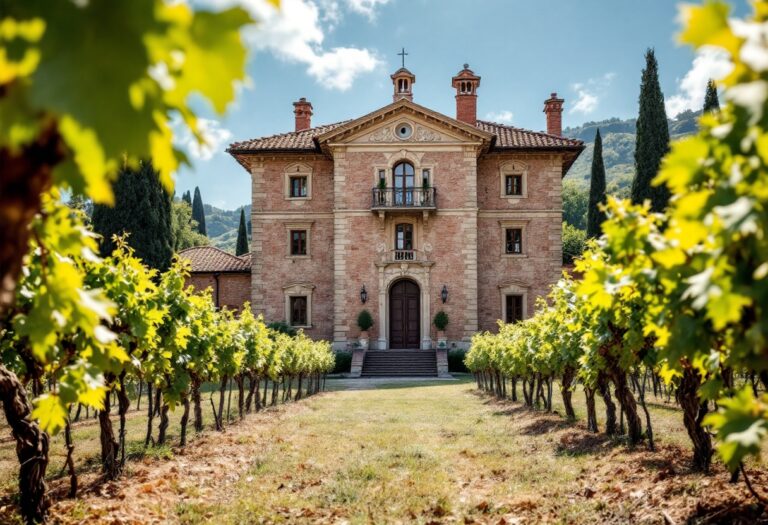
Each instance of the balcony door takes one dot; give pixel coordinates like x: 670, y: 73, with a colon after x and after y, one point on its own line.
x: 404, y: 314
x: 404, y: 179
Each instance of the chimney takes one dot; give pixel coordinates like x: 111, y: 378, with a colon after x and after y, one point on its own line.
x: 553, y: 107
x: 303, y: 111
x: 466, y: 84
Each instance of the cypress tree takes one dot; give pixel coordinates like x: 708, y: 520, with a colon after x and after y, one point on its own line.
x: 652, y: 138
x: 198, y: 212
x: 242, y: 237
x: 186, y: 197
x: 711, y: 102
x: 596, y: 216
x: 142, y: 210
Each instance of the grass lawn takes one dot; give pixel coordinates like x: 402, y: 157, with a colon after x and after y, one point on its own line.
x: 405, y: 451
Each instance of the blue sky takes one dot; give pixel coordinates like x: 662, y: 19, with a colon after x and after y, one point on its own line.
x: 339, y: 55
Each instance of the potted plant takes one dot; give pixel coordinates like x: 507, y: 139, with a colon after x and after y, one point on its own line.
x: 441, y: 321
x: 364, y: 322
x: 425, y: 192
x: 382, y: 191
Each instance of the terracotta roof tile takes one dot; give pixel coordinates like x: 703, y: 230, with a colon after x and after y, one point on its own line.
x: 295, y: 140
x: 212, y: 259
x: 512, y: 137
x: 507, y: 137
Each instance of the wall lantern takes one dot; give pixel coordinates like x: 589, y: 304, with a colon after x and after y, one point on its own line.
x: 444, y: 294
x: 364, y: 295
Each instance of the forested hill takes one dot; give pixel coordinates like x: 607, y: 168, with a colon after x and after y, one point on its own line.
x: 222, y: 226
x: 619, y: 148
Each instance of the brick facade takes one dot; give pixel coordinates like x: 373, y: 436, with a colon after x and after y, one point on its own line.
x: 458, y: 239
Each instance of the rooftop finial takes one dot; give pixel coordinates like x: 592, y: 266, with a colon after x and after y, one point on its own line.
x: 466, y: 66
x: 403, y: 54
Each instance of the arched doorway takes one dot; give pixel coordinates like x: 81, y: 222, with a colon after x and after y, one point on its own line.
x: 404, y: 314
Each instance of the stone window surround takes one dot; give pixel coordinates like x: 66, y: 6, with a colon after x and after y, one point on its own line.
x: 513, y: 288
x: 404, y: 156
x: 392, y: 234
x: 293, y: 226
x: 509, y: 224
x: 513, y: 167
x: 297, y: 169
x: 298, y: 289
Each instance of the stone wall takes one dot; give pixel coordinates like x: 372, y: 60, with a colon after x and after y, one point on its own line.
x: 233, y: 287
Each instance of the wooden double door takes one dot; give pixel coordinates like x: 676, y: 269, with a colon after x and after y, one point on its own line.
x: 404, y: 315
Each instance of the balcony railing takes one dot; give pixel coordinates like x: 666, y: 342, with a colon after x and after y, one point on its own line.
x: 400, y: 256
x: 416, y: 198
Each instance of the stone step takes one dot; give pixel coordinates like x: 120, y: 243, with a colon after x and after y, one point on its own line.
x: 400, y: 363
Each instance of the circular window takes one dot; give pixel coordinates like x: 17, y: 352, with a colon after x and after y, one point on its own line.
x: 403, y: 131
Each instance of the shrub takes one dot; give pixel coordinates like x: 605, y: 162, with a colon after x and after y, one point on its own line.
x: 456, y: 360
x: 441, y: 320
x: 343, y: 362
x: 364, y: 320
x: 574, y: 242
x: 282, y: 327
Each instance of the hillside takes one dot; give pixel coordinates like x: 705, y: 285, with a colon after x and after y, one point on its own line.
x: 618, y: 148
x: 222, y: 226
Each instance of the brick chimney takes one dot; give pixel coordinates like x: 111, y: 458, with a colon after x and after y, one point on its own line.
x: 553, y: 107
x: 303, y: 111
x: 466, y: 84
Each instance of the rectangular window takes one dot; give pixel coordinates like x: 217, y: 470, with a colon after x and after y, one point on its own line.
x: 298, y: 311
x: 514, y: 240
x: 298, y: 242
x: 298, y: 186
x: 514, y: 308
x: 513, y: 184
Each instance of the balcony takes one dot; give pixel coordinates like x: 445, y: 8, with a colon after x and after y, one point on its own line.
x: 400, y: 257
x: 403, y: 200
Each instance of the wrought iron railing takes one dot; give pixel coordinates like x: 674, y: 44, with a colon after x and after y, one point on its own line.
x: 397, y: 256
x: 404, y: 198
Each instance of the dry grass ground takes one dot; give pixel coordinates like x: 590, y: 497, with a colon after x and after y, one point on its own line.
x: 422, y: 452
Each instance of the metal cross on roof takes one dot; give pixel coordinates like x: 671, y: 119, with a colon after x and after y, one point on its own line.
x: 403, y: 54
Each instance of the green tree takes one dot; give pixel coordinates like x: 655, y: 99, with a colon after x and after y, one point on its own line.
x: 574, y: 242
x: 198, y: 212
x: 64, y: 128
x: 711, y: 101
x: 575, y: 202
x: 652, y: 138
x: 242, y: 236
x: 596, y: 216
x: 185, y: 234
x: 186, y: 197
x: 142, y: 210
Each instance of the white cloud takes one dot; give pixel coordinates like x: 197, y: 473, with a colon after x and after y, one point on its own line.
x: 366, y: 7
x: 214, y: 134
x: 588, y: 93
x: 708, y: 63
x: 585, y: 103
x: 503, y: 117
x: 295, y: 33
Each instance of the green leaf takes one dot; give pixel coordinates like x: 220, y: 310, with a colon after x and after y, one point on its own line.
x: 50, y: 413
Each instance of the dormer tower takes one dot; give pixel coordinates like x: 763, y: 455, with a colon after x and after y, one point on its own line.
x: 466, y: 84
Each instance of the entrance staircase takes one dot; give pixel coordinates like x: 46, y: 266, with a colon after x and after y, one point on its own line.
x: 400, y: 363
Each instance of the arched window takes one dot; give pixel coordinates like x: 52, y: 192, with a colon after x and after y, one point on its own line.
x: 404, y: 176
